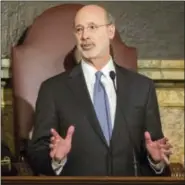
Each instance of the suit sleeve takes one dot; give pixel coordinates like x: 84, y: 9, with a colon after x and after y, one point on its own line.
x: 152, y: 116
x: 45, y: 118
x: 154, y: 127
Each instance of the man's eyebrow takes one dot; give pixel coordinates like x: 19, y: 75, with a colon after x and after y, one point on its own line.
x: 79, y: 25
x: 91, y: 23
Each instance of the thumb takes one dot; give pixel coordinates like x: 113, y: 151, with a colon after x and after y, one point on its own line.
x: 148, y: 139
x: 70, y: 133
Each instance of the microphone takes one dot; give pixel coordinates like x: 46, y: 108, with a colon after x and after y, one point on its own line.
x: 112, y: 75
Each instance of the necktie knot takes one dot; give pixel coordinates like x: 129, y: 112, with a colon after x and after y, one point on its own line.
x: 98, y: 75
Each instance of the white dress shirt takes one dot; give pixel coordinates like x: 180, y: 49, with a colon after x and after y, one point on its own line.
x: 89, y: 75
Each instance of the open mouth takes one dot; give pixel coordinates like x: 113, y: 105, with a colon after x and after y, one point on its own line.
x: 87, y: 46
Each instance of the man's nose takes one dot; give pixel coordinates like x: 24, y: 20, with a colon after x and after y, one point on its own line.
x: 85, y: 34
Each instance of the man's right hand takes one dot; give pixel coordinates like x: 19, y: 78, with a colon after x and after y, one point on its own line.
x: 59, y: 146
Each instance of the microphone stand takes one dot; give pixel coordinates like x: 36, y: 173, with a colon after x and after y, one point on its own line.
x: 135, y: 163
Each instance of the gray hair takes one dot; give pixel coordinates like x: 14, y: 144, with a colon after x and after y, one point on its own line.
x: 110, y: 18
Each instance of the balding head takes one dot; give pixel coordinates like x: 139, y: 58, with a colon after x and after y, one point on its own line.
x: 98, y: 12
x: 94, y: 29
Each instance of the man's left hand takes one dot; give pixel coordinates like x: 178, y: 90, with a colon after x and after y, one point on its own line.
x: 158, y: 150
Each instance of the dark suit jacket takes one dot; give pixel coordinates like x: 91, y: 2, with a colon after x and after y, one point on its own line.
x: 64, y: 100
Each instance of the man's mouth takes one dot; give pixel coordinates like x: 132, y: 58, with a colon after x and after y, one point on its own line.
x: 87, y: 46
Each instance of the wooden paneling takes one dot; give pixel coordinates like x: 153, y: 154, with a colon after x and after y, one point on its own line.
x: 90, y: 180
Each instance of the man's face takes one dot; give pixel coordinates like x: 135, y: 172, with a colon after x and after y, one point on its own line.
x: 93, y: 34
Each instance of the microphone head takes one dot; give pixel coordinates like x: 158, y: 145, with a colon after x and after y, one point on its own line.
x: 112, y: 75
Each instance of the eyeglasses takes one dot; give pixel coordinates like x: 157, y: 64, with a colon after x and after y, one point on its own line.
x: 92, y: 28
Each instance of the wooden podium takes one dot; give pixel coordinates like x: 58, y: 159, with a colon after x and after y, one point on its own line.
x: 32, y: 180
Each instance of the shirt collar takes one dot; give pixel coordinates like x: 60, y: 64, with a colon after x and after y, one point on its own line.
x: 89, y: 71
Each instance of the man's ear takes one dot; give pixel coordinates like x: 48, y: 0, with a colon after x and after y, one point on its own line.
x: 77, y: 55
x: 111, y: 31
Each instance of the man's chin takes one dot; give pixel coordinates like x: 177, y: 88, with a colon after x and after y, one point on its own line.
x: 89, y: 55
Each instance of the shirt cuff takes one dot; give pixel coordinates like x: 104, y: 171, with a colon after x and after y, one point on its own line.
x: 158, y: 168
x: 58, y: 166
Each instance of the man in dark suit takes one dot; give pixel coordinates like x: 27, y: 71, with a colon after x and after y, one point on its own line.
x: 98, y: 119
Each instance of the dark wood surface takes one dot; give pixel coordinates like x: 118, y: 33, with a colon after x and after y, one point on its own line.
x: 34, y: 180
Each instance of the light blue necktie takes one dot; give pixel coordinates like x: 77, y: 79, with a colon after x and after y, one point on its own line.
x: 102, y: 108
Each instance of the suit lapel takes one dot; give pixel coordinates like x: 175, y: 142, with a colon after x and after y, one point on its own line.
x: 77, y: 84
x: 121, y: 105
